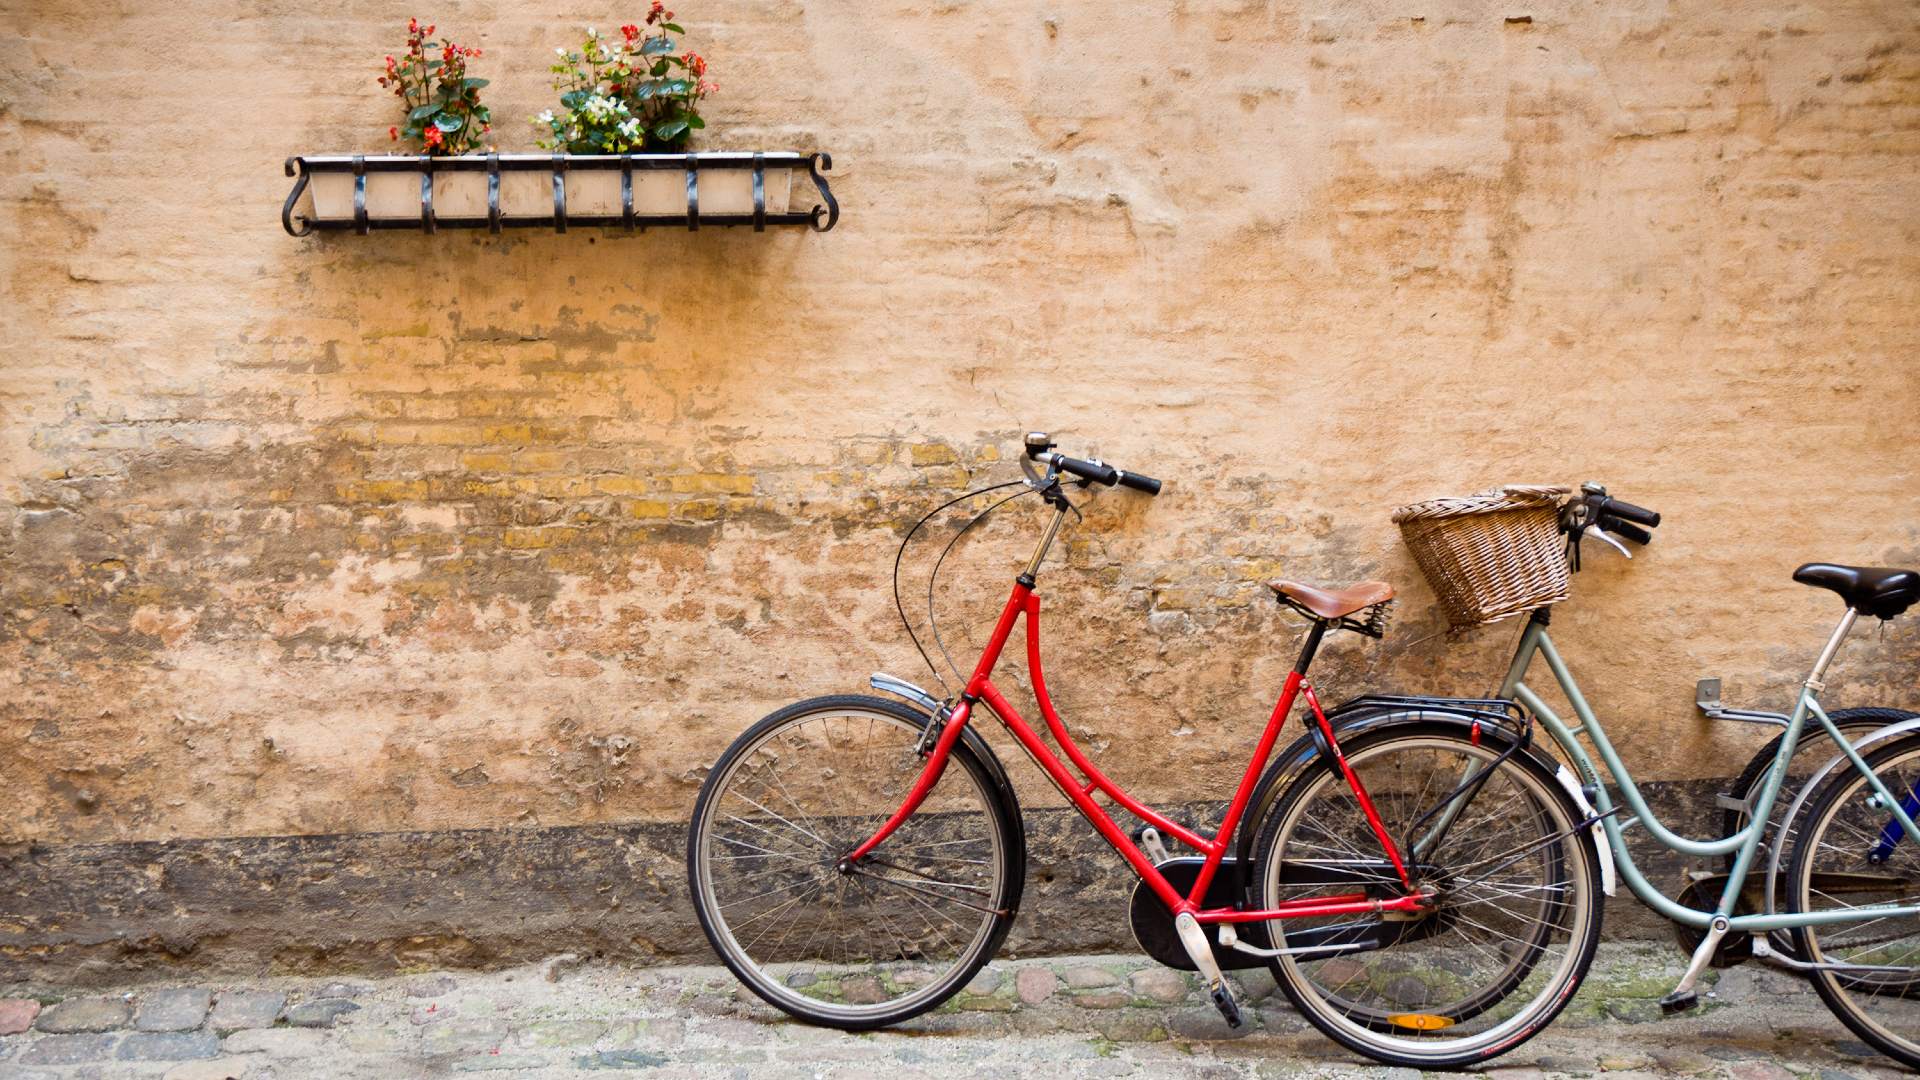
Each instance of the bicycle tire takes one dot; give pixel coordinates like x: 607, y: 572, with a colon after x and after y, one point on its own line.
x: 1835, y: 987
x: 982, y: 770
x: 1363, y: 1032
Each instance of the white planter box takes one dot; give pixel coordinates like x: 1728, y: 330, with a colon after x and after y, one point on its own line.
x: 526, y: 191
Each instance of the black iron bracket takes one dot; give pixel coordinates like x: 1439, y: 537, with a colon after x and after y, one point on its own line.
x: 821, y: 217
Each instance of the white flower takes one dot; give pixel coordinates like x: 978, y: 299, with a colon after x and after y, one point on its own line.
x: 592, y: 33
x: 560, y: 52
x: 630, y: 127
x: 545, y: 117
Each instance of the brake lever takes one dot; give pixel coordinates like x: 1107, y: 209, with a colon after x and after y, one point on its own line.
x: 1036, y: 481
x: 1602, y: 534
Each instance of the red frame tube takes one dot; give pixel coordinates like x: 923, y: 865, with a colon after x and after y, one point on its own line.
x: 1025, y: 602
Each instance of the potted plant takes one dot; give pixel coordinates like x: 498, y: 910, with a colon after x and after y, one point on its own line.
x: 641, y: 93
x: 444, y: 118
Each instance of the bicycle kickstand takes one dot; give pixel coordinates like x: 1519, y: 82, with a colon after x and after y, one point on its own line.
x: 1684, y: 996
x: 1200, y: 951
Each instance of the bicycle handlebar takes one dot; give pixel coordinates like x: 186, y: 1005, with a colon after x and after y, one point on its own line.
x: 1040, y: 448
x: 1626, y: 511
x: 1594, y: 508
x: 1626, y: 530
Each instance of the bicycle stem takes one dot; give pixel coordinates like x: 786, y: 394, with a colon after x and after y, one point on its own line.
x: 1046, y: 542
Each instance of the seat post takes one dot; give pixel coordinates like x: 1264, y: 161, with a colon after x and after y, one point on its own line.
x: 1310, y: 646
x: 1817, y: 681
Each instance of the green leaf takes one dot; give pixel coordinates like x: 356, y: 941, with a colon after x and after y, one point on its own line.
x: 654, y: 46
x: 448, y: 123
x: 643, y: 91
x: 573, y: 99
x: 433, y: 65
x: 474, y: 84
x: 676, y: 86
x: 675, y: 27
x: 694, y: 121
x: 422, y: 112
x: 668, y: 130
x: 658, y: 69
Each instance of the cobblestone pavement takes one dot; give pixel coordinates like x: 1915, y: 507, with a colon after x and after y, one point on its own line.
x: 1092, y: 1016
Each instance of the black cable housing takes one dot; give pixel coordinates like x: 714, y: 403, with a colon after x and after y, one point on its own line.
x: 900, y: 606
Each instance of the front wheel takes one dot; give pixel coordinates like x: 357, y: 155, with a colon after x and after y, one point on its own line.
x: 1514, y: 900
x: 852, y: 945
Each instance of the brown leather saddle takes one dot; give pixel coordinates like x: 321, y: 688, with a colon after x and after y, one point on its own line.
x: 1334, y: 603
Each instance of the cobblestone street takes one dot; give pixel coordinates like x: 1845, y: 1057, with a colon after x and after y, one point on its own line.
x: 1095, y: 1016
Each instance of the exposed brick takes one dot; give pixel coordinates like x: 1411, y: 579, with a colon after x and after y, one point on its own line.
x: 710, y: 483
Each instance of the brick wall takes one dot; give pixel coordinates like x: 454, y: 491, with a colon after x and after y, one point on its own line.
x: 349, y: 535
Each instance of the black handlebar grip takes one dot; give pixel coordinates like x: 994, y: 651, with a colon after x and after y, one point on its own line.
x: 1623, y: 529
x: 1626, y: 511
x: 1139, y: 483
x: 1098, y: 472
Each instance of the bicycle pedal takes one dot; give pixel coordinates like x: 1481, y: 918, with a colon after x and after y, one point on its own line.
x: 1229, y: 1008
x: 1147, y: 839
x: 1679, y: 1001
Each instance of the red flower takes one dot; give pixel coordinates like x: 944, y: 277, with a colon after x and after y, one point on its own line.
x: 630, y: 31
x: 696, y: 64
x: 393, y: 133
x: 434, y: 138
x: 413, y: 26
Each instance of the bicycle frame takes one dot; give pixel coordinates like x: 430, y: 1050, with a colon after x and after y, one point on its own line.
x: 1534, y: 641
x: 1024, y: 603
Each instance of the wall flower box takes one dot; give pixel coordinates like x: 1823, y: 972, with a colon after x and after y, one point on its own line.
x: 362, y: 192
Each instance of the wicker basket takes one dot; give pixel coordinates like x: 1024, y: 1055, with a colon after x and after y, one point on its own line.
x: 1491, y: 555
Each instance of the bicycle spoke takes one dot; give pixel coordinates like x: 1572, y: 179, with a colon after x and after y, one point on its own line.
x: 890, y: 938
x: 1497, y: 938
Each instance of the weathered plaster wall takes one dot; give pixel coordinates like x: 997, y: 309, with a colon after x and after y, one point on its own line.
x: 403, y: 533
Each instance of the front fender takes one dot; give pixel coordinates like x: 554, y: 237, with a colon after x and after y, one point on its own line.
x: 1363, y: 715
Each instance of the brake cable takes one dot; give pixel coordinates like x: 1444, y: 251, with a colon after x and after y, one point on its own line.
x: 900, y: 606
x: 934, y: 624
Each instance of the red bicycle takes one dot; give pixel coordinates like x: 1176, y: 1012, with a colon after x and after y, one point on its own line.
x: 1413, y: 873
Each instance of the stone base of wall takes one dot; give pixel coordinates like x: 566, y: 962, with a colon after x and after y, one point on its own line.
x: 383, y: 902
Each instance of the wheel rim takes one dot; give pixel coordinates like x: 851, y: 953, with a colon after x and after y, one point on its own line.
x: 880, y: 940
x: 1834, y: 874
x: 1502, y: 950
x: 1814, y: 750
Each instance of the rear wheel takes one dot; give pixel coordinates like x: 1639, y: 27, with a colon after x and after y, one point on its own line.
x: 1514, y: 899
x: 1842, y: 860
x: 1816, y: 749
x: 861, y: 945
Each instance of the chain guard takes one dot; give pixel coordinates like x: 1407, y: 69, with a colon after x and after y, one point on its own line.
x: 1153, y: 923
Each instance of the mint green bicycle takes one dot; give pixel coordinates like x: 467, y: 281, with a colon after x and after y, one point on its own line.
x: 1849, y: 893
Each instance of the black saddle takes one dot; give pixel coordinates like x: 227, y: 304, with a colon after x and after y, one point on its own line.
x: 1880, y: 592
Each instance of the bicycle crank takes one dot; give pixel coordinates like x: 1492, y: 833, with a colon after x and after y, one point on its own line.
x: 1200, y: 951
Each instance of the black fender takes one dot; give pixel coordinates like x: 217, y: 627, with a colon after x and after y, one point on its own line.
x: 1499, y: 724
